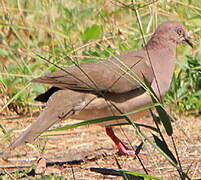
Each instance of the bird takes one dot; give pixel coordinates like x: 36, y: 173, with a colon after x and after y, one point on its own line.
x: 108, y: 87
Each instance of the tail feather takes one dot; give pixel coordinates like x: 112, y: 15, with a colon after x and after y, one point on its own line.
x: 35, y: 129
x: 61, y: 105
x: 56, y: 110
x: 46, y: 95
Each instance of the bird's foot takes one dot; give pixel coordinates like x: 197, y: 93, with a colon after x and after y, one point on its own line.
x: 123, y: 149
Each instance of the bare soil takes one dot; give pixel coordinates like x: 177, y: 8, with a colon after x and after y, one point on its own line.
x: 71, y: 153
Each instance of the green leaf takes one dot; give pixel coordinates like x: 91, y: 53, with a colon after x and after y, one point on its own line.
x: 142, y: 108
x: 4, y: 52
x: 163, y: 115
x: 138, y: 149
x: 137, y: 124
x: 98, y: 120
x: 88, y: 122
x: 91, y: 33
x: 164, y: 147
x: 165, y: 119
x: 1, y: 37
x: 120, y: 172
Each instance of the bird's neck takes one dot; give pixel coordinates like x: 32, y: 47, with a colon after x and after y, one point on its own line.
x: 161, y: 43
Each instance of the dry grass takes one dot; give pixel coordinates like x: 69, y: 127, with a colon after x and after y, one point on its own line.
x: 90, y: 147
x: 56, y: 28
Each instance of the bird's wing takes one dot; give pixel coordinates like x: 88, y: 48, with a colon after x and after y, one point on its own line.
x: 114, y: 75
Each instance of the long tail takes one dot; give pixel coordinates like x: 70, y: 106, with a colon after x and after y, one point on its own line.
x: 60, y: 106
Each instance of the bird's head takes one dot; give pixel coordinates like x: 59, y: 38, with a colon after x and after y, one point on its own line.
x: 172, y: 31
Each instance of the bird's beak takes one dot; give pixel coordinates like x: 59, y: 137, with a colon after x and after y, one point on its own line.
x: 188, y: 42
x: 183, y: 38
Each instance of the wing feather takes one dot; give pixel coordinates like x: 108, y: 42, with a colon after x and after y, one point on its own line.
x: 109, y: 75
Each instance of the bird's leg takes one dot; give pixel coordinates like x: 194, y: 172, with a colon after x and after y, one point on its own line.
x: 123, y: 149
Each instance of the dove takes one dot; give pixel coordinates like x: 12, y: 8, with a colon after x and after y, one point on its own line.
x: 109, y: 87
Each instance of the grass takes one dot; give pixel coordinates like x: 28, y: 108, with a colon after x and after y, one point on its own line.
x: 86, y: 31
x: 53, y: 29
x: 186, y: 100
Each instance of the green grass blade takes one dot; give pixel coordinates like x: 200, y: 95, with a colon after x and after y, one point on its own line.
x: 88, y: 122
x: 120, y: 172
x: 99, y: 120
x: 137, y: 124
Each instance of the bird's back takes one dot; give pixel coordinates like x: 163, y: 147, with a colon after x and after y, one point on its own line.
x: 115, y: 75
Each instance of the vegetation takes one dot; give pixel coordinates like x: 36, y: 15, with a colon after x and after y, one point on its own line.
x: 65, y: 32
x: 185, y: 92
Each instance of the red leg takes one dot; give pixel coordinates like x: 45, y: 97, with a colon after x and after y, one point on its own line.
x: 120, y: 146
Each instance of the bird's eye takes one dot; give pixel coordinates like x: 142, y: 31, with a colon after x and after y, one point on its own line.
x: 179, y: 31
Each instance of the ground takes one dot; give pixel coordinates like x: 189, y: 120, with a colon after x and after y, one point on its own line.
x: 71, y: 153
